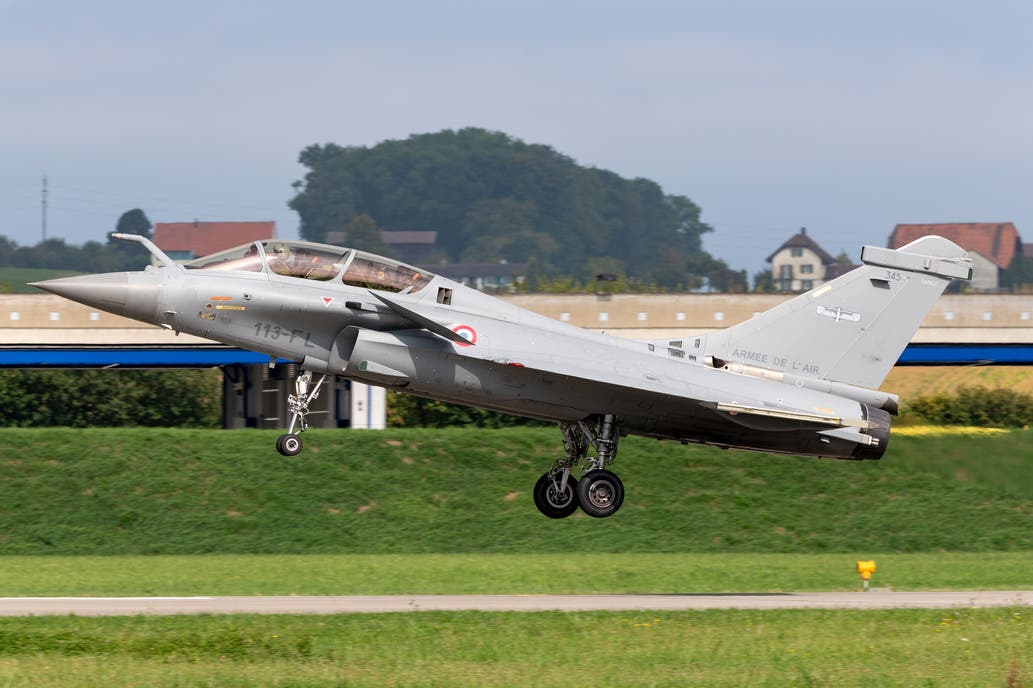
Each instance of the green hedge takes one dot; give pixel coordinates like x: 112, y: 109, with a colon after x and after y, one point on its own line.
x: 110, y: 398
x: 406, y: 410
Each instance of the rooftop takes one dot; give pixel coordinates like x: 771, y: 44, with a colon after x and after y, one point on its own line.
x: 995, y: 241
x: 204, y: 238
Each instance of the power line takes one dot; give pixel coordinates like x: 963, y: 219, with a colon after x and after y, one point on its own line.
x: 79, y: 211
x: 284, y: 208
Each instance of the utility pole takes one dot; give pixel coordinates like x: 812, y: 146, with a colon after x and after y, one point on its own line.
x: 44, y: 223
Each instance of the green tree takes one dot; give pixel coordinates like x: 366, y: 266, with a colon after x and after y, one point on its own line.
x: 723, y: 279
x: 1019, y: 274
x: 134, y: 222
x: 117, y: 255
x: 364, y: 235
x: 763, y: 283
x: 492, y: 197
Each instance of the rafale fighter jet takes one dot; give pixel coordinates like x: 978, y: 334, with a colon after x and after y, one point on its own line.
x: 800, y: 378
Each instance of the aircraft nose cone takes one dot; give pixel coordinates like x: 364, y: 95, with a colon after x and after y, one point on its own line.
x: 134, y: 295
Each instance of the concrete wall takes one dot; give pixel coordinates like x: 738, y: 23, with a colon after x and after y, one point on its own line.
x: 959, y: 318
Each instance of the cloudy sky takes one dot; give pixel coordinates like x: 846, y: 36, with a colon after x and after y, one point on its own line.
x: 846, y: 118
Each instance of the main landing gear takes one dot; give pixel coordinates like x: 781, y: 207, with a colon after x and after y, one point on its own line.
x: 297, y: 403
x: 598, y: 492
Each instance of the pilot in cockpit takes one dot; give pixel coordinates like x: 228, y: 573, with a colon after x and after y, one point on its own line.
x: 279, y: 259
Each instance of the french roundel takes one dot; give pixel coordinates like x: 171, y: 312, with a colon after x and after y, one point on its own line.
x: 467, y: 333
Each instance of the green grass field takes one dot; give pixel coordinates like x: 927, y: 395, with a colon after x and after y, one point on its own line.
x: 181, y: 512
x: 961, y: 648
x: 460, y: 574
x: 144, y: 491
x: 16, y: 280
x: 914, y: 381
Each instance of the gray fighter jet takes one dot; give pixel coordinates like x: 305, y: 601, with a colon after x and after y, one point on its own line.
x: 800, y: 378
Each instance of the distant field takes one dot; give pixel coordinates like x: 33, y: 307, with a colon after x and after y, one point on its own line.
x: 961, y: 647
x: 915, y: 381
x: 15, y: 280
x: 405, y: 491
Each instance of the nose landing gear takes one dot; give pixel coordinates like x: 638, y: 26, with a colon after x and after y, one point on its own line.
x: 599, y: 492
x: 290, y: 444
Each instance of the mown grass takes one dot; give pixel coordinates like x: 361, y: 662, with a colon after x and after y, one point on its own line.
x: 582, y: 573
x: 145, y: 491
x: 970, y: 647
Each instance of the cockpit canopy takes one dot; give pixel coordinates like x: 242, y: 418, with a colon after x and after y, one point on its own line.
x: 321, y: 262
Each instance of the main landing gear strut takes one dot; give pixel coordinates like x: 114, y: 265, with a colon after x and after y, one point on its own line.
x: 598, y: 492
x: 297, y: 403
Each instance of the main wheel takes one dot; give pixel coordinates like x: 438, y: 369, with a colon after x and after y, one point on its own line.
x: 553, y: 503
x: 600, y: 493
x: 289, y: 445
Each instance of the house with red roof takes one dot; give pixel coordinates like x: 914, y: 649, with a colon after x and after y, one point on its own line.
x: 800, y: 264
x: 184, y: 241
x: 991, y: 245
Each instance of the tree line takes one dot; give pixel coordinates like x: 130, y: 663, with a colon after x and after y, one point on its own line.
x: 93, y: 256
x: 493, y: 198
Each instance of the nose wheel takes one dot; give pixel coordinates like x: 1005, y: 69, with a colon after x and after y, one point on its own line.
x: 289, y: 444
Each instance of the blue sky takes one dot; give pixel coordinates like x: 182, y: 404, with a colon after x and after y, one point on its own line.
x: 846, y: 118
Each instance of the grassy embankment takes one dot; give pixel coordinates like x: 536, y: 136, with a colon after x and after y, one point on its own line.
x: 357, y: 506
x: 139, y: 491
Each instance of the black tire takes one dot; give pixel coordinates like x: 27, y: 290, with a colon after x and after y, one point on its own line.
x: 551, y: 502
x: 289, y: 445
x: 600, y: 493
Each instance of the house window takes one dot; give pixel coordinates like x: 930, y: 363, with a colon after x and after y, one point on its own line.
x: 796, y: 251
x: 807, y: 285
x: 785, y: 285
x: 785, y: 272
x: 807, y: 269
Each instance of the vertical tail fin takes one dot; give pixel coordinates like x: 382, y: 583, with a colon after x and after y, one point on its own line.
x: 854, y: 328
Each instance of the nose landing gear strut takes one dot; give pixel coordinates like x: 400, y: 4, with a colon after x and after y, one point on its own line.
x: 290, y: 443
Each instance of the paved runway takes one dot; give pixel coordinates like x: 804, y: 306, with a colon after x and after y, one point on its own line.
x: 129, y: 606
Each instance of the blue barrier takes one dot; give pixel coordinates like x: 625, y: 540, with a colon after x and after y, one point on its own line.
x: 967, y: 354
x: 206, y: 357
x: 130, y: 357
